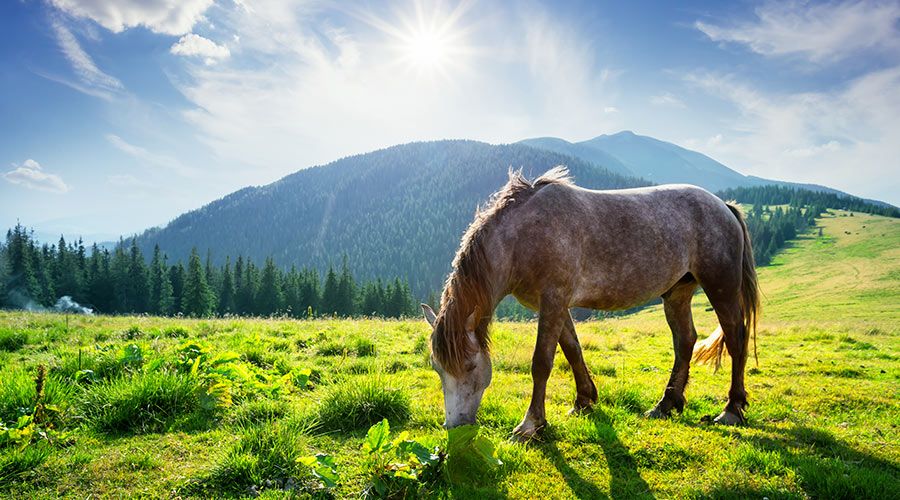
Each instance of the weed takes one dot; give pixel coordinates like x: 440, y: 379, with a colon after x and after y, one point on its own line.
x: 399, y: 468
x: 19, y: 395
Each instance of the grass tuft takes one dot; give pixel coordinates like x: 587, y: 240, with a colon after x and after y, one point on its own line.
x: 361, y: 402
x: 265, y: 454
x: 141, y: 403
x: 364, y: 347
x: 16, y: 463
x: 18, y: 394
x: 12, y: 340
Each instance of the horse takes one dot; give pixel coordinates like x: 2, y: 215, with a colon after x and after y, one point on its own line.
x: 554, y: 245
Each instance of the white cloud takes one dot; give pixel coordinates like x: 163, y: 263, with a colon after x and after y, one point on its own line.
x: 821, y: 32
x: 196, y: 45
x: 92, y: 80
x: 327, y: 92
x: 151, y: 158
x: 171, y: 17
x: 667, y: 99
x: 848, y: 138
x: 31, y: 175
x: 125, y: 180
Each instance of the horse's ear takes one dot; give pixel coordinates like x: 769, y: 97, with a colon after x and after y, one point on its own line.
x: 430, y: 317
x: 472, y: 320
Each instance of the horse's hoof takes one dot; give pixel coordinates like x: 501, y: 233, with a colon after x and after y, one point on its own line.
x: 580, y: 408
x: 728, y: 418
x: 657, y: 412
x: 528, y: 430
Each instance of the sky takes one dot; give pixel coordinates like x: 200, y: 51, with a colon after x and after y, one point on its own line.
x: 120, y: 115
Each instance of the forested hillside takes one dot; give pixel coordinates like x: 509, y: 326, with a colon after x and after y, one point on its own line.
x: 394, y: 212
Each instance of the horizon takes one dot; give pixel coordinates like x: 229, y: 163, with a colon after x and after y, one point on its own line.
x: 158, y: 110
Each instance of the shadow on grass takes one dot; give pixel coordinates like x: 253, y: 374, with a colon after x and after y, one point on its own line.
x: 825, y: 466
x: 625, y: 480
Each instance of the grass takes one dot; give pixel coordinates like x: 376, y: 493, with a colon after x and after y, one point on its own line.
x: 141, y: 403
x: 360, y: 402
x: 823, y: 420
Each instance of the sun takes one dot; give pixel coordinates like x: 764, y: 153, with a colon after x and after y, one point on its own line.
x: 428, y: 49
x: 429, y: 40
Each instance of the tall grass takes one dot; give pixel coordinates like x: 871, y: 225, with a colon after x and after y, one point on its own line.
x: 141, y: 403
x: 266, y: 453
x: 16, y: 463
x: 358, y: 403
x: 12, y: 340
x: 18, y: 393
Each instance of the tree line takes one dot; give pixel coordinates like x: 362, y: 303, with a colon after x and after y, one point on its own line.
x: 795, y: 211
x: 122, y: 281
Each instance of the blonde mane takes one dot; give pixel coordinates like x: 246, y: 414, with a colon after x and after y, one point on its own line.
x: 467, y: 289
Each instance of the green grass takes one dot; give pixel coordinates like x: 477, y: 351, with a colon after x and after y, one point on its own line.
x: 141, y: 403
x: 823, y: 420
x: 359, y: 402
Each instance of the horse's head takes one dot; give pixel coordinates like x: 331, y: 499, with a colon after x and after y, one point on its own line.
x: 464, y: 384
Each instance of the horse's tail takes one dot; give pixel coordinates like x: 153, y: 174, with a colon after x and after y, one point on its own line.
x: 711, y: 348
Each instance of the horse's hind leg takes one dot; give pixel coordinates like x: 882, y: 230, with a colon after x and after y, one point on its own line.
x: 677, y: 305
x: 551, y: 323
x: 728, y: 310
x: 586, y: 391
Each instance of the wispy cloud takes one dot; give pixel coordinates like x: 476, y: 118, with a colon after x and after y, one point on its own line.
x: 198, y: 46
x: 167, y: 17
x: 820, y: 32
x: 667, y: 99
x: 849, y: 136
x: 151, y: 158
x: 91, y: 79
x: 329, y: 91
x: 31, y: 175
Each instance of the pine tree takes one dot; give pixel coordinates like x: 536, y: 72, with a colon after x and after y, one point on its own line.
x: 177, y: 277
x: 226, y: 292
x: 310, y: 297
x: 196, y: 300
x: 138, y: 290
x: 155, y: 281
x: 269, y: 299
x: 330, y: 295
x: 22, y: 284
x: 346, y: 296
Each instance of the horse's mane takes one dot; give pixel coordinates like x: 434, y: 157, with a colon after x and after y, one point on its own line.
x: 467, y: 289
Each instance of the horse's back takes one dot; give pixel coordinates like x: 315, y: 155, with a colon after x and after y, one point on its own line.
x: 614, y: 249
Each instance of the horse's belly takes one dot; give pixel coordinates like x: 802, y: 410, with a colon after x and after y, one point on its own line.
x: 617, y: 291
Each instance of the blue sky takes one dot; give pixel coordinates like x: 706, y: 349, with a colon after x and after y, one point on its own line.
x: 120, y: 115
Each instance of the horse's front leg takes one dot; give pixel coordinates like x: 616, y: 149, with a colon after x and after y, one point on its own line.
x: 586, y: 391
x: 550, y: 325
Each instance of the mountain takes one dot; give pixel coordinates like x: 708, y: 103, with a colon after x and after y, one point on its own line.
x: 661, y: 162
x: 399, y: 211
x: 582, y: 151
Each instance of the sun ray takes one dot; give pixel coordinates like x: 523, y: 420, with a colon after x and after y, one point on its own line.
x: 429, y: 39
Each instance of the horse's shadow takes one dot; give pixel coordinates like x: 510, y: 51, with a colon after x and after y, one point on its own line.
x: 625, y: 480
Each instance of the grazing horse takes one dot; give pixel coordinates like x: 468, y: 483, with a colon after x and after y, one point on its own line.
x: 554, y: 245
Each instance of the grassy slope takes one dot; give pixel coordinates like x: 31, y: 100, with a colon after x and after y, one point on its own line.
x: 823, y: 420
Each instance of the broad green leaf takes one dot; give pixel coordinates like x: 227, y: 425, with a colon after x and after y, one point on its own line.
x: 468, y: 453
x: 377, y: 437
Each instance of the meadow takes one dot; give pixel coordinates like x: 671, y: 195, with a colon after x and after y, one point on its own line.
x: 163, y: 407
